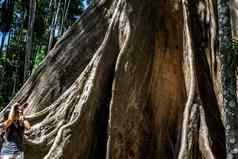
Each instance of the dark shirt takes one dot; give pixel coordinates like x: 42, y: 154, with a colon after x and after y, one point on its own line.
x: 13, y: 139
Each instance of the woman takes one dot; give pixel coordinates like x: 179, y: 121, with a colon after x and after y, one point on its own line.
x: 14, y: 125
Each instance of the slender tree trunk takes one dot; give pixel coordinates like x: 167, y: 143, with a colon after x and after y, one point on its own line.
x: 9, y: 39
x: 2, y: 69
x: 64, y: 16
x: 234, y: 17
x: 228, y: 79
x: 29, y: 43
x: 14, y: 78
x: 2, y: 43
x: 53, y: 26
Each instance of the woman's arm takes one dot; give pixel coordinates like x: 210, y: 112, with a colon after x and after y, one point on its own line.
x: 11, y: 116
x: 24, y: 122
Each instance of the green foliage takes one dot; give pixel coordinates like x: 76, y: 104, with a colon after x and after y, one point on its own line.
x: 39, y: 57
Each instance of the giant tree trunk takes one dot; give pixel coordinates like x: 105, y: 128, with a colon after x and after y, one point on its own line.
x: 131, y: 80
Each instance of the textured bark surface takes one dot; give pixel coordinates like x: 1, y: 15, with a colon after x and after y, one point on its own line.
x: 130, y: 81
x: 228, y: 73
x: 64, y: 63
x: 234, y: 17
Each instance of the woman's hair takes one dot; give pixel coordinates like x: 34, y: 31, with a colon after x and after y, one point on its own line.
x: 21, y: 107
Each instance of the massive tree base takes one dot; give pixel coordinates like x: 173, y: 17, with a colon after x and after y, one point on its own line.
x: 131, y: 80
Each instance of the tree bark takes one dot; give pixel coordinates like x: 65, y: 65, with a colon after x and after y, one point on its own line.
x: 228, y: 73
x: 29, y: 43
x: 130, y: 81
x: 234, y: 18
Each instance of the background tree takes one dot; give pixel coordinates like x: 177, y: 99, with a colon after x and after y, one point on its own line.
x: 228, y: 80
x: 29, y: 41
x: 26, y: 29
